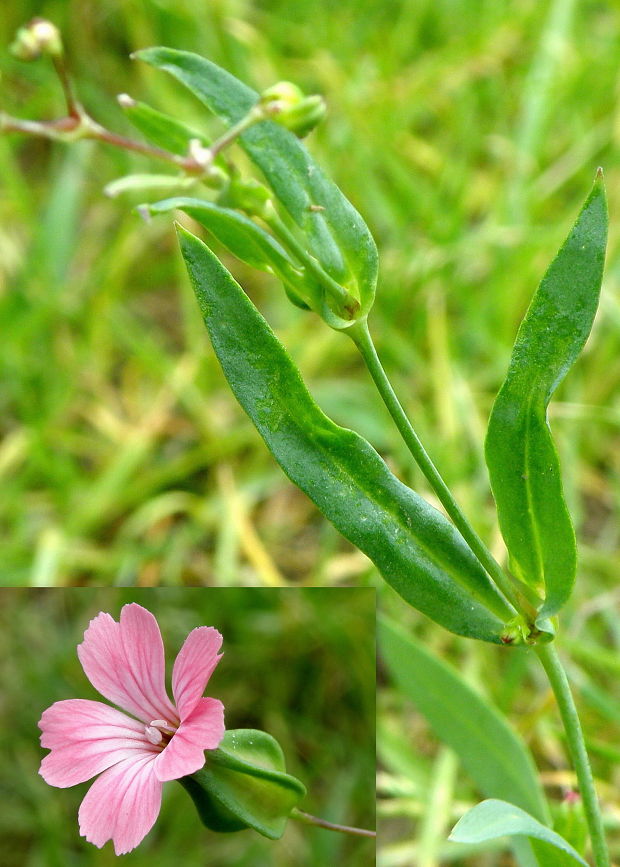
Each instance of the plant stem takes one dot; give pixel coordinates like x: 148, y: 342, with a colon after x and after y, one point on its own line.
x: 360, y: 335
x: 330, y: 826
x: 254, y: 115
x: 71, y: 129
x: 74, y: 106
x: 570, y: 720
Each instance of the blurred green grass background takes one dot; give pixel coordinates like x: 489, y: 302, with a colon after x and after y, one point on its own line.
x: 298, y: 663
x: 467, y: 133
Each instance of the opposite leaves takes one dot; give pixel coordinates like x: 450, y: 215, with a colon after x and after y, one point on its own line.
x: 520, y: 453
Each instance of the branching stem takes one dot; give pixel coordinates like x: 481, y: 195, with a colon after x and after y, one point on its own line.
x: 72, y: 128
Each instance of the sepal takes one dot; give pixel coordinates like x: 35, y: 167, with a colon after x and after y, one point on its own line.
x: 244, y: 784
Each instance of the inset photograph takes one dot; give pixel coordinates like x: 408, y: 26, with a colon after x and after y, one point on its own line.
x: 230, y: 726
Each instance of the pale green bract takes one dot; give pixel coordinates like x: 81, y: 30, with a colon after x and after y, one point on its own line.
x: 520, y: 453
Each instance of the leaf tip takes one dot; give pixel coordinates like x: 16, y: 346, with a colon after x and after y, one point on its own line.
x: 142, y: 54
x: 181, y: 231
x: 599, y: 181
x: 599, y: 185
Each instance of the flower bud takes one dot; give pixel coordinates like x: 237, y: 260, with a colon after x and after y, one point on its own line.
x: 286, y: 104
x: 281, y: 96
x: 38, y: 37
x: 246, y: 194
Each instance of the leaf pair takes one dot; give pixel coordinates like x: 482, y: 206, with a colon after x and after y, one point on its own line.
x: 414, y: 547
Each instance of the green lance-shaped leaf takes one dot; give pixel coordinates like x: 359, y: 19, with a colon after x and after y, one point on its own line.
x: 520, y: 453
x: 491, y: 752
x: 416, y: 549
x: 493, y: 818
x: 163, y: 130
x: 244, y: 784
x: 337, y: 235
x: 245, y: 240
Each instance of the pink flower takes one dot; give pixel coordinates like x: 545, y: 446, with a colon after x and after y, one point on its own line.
x: 160, y: 741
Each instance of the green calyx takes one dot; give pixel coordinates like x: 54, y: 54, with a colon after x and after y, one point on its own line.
x: 244, y: 784
x: 286, y: 103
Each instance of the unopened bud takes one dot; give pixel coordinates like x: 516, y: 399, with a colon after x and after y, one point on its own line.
x: 246, y: 194
x: 286, y: 104
x: 302, y: 118
x: 38, y: 37
x: 281, y: 96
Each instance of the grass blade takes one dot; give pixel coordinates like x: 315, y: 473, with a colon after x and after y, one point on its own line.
x: 492, y: 753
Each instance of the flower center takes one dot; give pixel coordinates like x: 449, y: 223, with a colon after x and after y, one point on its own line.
x: 159, y: 732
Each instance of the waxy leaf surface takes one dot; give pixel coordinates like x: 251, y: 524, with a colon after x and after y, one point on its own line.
x: 520, y: 453
x: 416, y: 549
x: 495, y: 818
x: 490, y: 750
x: 337, y: 235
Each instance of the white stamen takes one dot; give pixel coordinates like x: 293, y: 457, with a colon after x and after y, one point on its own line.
x: 163, y: 724
x: 153, y: 734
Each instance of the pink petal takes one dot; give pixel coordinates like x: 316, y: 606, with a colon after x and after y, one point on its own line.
x: 121, y: 805
x: 202, y: 730
x: 193, y: 667
x: 125, y: 662
x: 85, y: 738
